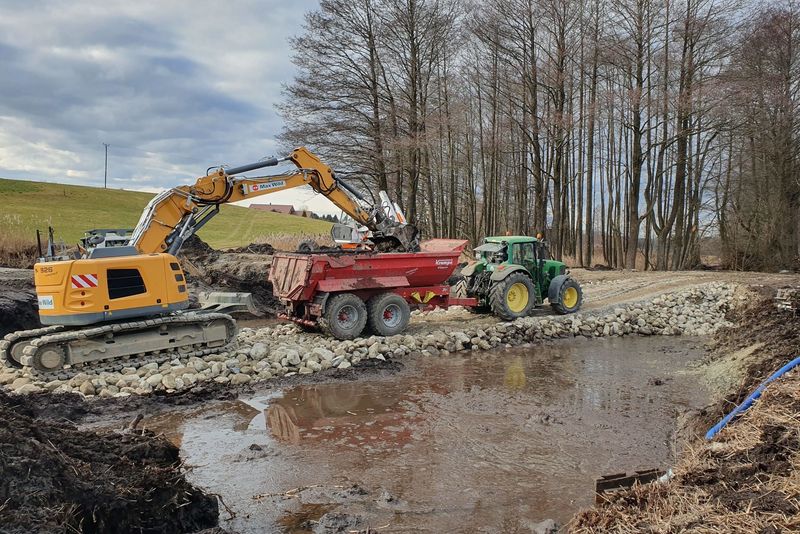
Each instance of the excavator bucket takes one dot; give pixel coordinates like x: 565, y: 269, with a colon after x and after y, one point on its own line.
x: 224, y: 302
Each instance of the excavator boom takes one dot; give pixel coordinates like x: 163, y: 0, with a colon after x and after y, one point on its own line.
x: 174, y: 215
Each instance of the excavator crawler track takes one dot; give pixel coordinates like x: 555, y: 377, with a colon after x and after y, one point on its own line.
x: 12, y: 344
x: 111, y: 347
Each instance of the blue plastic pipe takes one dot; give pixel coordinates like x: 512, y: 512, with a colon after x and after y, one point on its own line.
x: 751, y: 399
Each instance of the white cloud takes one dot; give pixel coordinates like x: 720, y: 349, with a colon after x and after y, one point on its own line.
x: 174, y: 86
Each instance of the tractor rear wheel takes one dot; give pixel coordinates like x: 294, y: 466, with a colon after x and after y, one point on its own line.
x: 513, y: 297
x: 345, y: 316
x: 388, y: 314
x: 569, y: 297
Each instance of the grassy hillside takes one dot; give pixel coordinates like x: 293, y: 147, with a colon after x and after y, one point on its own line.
x: 71, y: 209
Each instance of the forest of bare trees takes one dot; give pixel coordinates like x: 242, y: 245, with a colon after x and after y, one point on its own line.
x: 633, y: 133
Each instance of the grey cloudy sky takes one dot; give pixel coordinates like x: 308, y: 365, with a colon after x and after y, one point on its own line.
x: 174, y: 86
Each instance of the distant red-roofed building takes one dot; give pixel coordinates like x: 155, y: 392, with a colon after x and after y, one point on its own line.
x: 276, y: 208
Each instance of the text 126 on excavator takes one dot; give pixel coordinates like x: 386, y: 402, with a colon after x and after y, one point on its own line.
x: 129, y: 301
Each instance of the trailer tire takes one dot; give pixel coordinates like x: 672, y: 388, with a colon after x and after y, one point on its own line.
x: 345, y: 316
x: 388, y: 314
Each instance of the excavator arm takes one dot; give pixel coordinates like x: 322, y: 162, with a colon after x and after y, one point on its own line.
x: 174, y: 215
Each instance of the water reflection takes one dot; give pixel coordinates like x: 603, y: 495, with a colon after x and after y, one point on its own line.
x: 349, y: 415
x: 515, y: 378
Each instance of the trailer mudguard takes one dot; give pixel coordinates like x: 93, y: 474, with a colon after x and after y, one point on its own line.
x: 504, y: 270
x: 555, y: 286
x: 337, y: 285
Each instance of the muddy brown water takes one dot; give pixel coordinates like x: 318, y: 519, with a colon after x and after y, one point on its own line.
x: 484, y: 442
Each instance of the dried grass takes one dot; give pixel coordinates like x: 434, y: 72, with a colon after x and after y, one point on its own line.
x: 746, y: 480
x: 17, y: 242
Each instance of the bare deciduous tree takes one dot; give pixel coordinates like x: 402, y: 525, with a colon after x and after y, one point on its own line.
x: 626, y: 131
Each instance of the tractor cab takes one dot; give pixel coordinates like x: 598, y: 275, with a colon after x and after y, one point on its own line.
x: 492, y: 253
x: 520, y: 250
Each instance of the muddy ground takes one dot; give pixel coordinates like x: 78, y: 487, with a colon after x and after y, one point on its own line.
x: 57, y: 478
x: 18, y: 307
x: 243, y: 269
x: 498, y: 449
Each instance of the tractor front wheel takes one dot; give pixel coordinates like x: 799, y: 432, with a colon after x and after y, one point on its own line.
x: 513, y: 297
x: 345, y: 316
x: 569, y: 297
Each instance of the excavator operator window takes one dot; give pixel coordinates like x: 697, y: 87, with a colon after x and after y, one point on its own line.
x: 124, y: 283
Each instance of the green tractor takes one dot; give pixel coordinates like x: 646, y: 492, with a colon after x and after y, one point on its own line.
x: 514, y: 274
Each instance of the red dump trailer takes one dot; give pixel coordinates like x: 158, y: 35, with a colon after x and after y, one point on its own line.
x: 344, y: 291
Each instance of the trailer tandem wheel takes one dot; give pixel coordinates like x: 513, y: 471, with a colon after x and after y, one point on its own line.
x: 345, y: 316
x: 388, y: 314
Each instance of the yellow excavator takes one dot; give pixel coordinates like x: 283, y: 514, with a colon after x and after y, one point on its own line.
x: 129, y: 302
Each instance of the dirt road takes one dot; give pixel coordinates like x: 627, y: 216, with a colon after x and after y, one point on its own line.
x: 608, y: 288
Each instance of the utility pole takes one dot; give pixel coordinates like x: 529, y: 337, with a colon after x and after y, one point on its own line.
x: 105, y: 172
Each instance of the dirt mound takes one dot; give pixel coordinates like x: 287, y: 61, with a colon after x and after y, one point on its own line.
x: 761, y: 322
x: 195, y: 248
x: 19, y: 310
x: 245, y: 269
x: 60, y: 479
x: 254, y: 248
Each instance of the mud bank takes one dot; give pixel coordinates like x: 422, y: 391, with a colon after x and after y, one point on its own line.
x: 284, y: 350
x: 56, y: 478
x: 18, y: 306
x: 746, y: 478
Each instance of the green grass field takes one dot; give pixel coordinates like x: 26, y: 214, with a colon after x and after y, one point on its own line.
x: 71, y: 210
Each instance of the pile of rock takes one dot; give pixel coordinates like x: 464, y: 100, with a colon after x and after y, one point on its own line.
x: 284, y: 350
